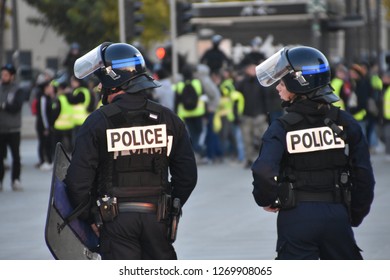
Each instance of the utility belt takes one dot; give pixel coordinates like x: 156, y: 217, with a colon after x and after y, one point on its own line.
x: 331, y: 196
x: 167, y: 210
x: 289, y: 197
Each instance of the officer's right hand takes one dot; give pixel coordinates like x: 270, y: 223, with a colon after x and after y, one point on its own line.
x: 271, y: 209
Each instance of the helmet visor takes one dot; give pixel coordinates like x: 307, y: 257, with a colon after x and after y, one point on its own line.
x: 88, y: 63
x: 273, y: 69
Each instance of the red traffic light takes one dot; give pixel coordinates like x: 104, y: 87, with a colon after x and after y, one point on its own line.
x: 160, y: 53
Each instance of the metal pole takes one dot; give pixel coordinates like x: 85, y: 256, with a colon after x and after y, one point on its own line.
x: 379, y: 36
x: 2, y: 29
x: 122, y: 27
x: 173, y: 41
x: 15, y: 31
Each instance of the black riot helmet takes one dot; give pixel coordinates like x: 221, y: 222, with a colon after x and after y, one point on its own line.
x: 118, y: 66
x: 304, y: 70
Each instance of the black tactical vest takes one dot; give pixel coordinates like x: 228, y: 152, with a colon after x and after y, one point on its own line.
x: 135, y: 174
x: 318, y: 170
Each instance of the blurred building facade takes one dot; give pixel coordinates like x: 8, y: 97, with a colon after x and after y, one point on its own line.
x: 343, y: 30
x: 36, y: 46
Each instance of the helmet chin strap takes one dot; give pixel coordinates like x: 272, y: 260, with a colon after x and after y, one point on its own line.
x: 106, y: 92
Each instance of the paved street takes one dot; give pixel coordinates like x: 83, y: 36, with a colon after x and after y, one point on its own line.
x: 220, y: 221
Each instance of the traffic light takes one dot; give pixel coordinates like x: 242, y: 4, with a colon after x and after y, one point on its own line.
x: 160, y: 53
x: 133, y: 18
x: 183, y: 18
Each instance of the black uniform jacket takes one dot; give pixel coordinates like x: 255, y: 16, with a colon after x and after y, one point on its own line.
x: 91, y: 150
x: 267, y: 165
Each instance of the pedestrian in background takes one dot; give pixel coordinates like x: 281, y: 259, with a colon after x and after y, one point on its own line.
x: 165, y: 94
x: 254, y: 118
x: 11, y: 102
x: 62, y: 118
x: 193, y: 115
x: 213, y: 96
x: 214, y: 57
x: 314, y: 165
x: 43, y: 124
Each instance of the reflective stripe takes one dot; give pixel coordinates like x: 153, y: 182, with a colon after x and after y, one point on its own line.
x: 315, y: 69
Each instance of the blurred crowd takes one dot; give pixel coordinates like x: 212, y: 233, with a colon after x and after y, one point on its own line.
x: 231, y: 111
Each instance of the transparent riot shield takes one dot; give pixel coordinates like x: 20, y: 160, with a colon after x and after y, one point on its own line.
x: 67, y: 238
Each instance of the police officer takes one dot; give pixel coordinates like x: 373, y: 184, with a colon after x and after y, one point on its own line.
x: 123, y: 156
x: 314, y: 165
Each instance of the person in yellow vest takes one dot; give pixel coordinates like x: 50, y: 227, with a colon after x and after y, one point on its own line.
x: 238, y: 104
x: 62, y: 114
x: 385, y: 114
x: 362, y: 87
x: 224, y: 117
x: 80, y: 99
x: 337, y: 83
x: 192, y: 117
x: 230, y: 110
x: 373, y: 106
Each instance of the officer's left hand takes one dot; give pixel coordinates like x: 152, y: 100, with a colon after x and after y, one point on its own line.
x: 271, y: 209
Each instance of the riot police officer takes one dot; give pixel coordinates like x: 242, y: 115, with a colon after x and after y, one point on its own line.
x: 314, y: 164
x: 132, y: 159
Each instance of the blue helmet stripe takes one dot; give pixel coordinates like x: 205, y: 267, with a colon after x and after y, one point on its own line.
x: 127, y: 62
x: 315, y: 69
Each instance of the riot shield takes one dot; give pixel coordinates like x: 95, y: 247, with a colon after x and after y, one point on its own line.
x: 67, y: 239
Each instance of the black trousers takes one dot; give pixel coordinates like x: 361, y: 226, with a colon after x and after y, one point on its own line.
x: 135, y: 236
x: 45, y: 148
x: 12, y: 141
x: 316, y: 230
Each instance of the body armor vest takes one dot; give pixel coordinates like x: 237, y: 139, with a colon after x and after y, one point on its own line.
x: 319, y: 169
x: 135, y: 174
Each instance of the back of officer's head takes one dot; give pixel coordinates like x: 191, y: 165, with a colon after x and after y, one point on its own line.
x: 310, y: 70
x: 123, y: 68
x: 311, y: 74
x: 304, y: 71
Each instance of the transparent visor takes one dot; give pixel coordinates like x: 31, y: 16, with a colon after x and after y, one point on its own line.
x: 273, y: 69
x: 88, y: 63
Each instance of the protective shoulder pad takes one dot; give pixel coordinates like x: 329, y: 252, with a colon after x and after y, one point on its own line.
x: 290, y: 119
x: 113, y: 113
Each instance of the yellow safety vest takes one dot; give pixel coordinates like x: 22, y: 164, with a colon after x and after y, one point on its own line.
x: 80, y: 112
x: 376, y: 82
x: 65, y: 118
x: 225, y: 107
x: 386, y: 104
x: 200, y: 109
x: 337, y: 85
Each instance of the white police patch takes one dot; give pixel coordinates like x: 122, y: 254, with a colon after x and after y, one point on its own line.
x: 313, y: 139
x: 135, y: 138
